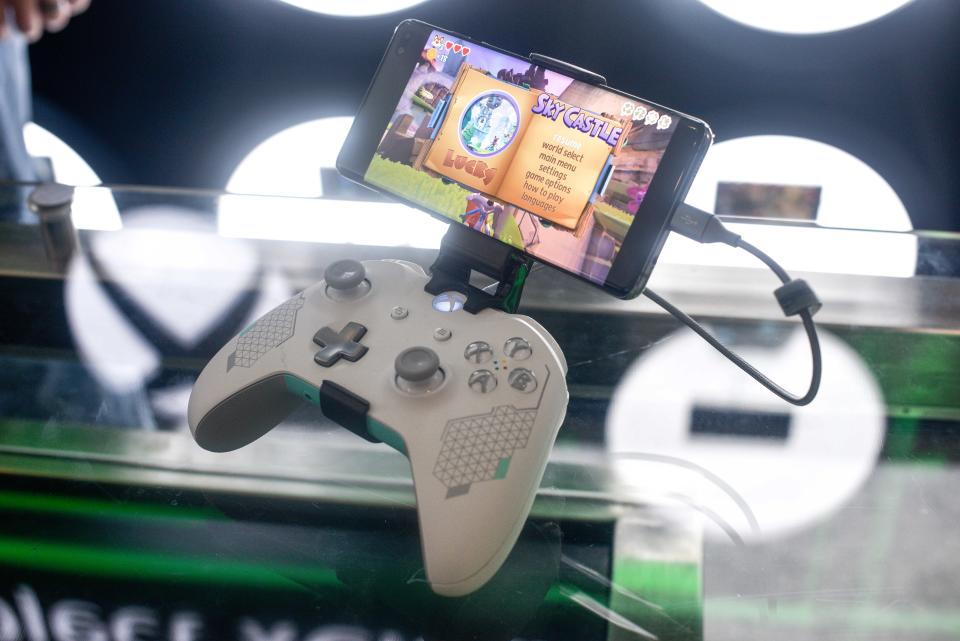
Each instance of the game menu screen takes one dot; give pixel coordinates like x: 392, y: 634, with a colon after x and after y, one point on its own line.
x: 551, y: 165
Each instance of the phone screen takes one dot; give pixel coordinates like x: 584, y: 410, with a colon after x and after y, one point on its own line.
x: 549, y: 164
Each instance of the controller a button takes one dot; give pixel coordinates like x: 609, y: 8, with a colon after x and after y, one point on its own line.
x: 342, y: 344
x: 442, y: 334
x: 517, y: 348
x: 418, y: 370
x: 478, y: 352
x: 482, y: 381
x: 522, y: 379
x: 346, y: 280
x: 399, y: 313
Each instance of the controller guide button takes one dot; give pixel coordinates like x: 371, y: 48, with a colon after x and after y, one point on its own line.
x: 418, y: 370
x: 478, y: 352
x: 336, y: 345
x: 449, y: 302
x: 522, y: 379
x: 517, y: 348
x: 482, y: 381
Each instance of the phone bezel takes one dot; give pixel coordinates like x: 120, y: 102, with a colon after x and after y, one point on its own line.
x: 640, y: 248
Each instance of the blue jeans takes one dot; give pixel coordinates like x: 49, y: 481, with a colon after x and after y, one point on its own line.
x: 15, y: 112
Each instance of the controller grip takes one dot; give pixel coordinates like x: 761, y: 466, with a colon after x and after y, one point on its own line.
x: 467, y: 536
x: 222, y: 422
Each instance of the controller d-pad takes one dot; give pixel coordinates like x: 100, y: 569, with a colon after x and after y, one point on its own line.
x: 336, y: 345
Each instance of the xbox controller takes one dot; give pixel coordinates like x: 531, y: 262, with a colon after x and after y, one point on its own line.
x: 473, y: 400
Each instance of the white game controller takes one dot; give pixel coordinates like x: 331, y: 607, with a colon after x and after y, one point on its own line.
x: 473, y: 400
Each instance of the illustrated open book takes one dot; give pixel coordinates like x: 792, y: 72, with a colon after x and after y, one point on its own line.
x: 521, y: 146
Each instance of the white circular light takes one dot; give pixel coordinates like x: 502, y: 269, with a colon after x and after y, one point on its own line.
x: 92, y: 208
x: 286, y: 169
x: 352, y: 8
x: 804, y: 16
x: 852, y: 197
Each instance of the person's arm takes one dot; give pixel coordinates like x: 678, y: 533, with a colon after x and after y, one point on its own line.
x: 34, y: 17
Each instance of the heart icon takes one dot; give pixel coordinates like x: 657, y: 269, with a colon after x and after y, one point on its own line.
x: 466, y: 50
x: 456, y: 48
x: 449, y: 44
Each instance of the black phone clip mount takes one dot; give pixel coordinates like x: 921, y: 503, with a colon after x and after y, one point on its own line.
x: 463, y: 251
x: 578, y: 73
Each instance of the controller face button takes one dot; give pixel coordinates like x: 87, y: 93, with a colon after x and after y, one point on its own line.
x: 517, y: 348
x: 442, y: 334
x: 482, y: 381
x: 449, y: 302
x: 336, y: 345
x: 522, y: 379
x: 399, y: 313
x: 478, y: 352
x: 344, y: 274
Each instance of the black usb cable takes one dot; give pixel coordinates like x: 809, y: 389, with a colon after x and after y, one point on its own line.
x: 795, y: 296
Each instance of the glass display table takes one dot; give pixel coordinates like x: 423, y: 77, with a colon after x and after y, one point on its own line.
x: 681, y: 501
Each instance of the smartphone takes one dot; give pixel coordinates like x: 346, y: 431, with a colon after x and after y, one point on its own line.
x: 537, y: 154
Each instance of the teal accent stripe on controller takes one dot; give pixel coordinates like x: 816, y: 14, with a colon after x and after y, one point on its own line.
x: 386, y: 434
x: 502, y: 468
x: 301, y: 388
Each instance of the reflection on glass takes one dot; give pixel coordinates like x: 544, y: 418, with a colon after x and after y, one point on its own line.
x: 791, y: 466
x: 161, y: 288
x: 296, y: 162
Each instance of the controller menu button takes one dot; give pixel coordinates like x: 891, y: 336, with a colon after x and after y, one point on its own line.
x: 442, y: 334
x: 342, y: 344
x: 517, y: 348
x: 522, y: 379
x: 482, y: 381
x: 478, y: 352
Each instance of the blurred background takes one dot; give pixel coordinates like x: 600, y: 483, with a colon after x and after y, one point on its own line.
x: 180, y: 92
x: 834, y: 521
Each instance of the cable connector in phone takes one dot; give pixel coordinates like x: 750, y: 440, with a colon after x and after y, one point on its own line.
x: 795, y: 296
x: 701, y: 226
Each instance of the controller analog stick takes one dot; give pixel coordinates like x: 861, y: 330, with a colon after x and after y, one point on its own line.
x: 418, y: 370
x: 346, y: 279
x: 344, y: 274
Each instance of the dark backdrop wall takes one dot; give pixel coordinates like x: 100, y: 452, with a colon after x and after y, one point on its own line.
x: 176, y: 92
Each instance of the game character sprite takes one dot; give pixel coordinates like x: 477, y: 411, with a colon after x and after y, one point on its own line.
x: 428, y: 60
x: 478, y: 210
